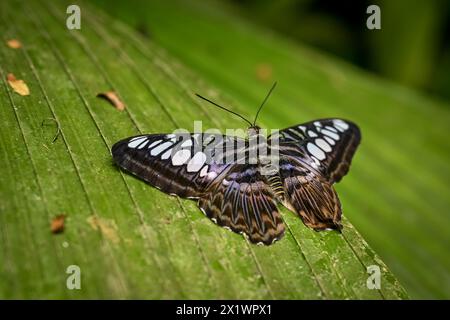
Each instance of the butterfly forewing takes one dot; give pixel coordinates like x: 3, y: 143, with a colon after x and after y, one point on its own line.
x: 175, y: 164
x: 244, y: 202
x: 326, y: 145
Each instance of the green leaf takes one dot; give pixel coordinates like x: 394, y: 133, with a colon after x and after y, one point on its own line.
x: 130, y: 240
x: 397, y: 192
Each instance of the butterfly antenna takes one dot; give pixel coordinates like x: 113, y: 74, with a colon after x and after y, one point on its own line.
x: 265, y: 99
x: 223, y: 108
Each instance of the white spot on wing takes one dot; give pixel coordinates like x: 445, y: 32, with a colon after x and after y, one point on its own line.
x: 187, y: 143
x: 166, y: 155
x: 329, y: 140
x: 312, y: 134
x: 332, y: 135
x: 315, y: 151
x: 135, y: 143
x: 331, y: 128
x: 208, y: 139
x: 154, y: 144
x: 316, y: 163
x: 340, y: 125
x: 323, y: 145
x: 195, y: 136
x: 180, y: 157
x: 163, y: 146
x: 298, y: 133
x: 212, y: 175
x: 197, y: 161
x: 143, y: 144
x: 204, y: 171
x: 135, y: 138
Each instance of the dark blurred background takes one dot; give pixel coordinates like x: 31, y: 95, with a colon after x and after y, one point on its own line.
x: 412, y: 47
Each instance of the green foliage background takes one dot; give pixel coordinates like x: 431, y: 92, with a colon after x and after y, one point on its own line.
x: 132, y: 241
x: 397, y: 190
x: 412, y: 47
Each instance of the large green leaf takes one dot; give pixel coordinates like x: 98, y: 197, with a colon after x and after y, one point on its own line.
x: 130, y: 240
x: 397, y: 193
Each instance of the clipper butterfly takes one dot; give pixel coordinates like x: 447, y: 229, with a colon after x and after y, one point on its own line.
x: 240, y: 194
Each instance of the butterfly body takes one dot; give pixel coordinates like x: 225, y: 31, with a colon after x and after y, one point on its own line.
x: 236, y: 184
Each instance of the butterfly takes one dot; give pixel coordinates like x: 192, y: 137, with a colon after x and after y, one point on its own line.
x: 241, y: 192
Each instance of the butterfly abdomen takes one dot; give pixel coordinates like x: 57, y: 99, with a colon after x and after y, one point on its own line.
x: 277, y: 187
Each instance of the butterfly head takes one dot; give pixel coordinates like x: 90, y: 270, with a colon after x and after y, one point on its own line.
x: 253, y: 130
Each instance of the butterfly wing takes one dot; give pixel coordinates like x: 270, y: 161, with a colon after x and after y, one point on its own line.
x: 328, y: 145
x: 310, y: 195
x: 175, y: 164
x: 205, y: 167
x: 313, y: 156
x: 243, y: 201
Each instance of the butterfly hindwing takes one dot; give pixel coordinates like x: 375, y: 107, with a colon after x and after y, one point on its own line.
x: 243, y: 202
x: 310, y: 195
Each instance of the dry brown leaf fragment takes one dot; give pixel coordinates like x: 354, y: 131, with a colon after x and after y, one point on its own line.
x: 57, y: 224
x: 19, y: 86
x: 113, y: 98
x: 14, y: 44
